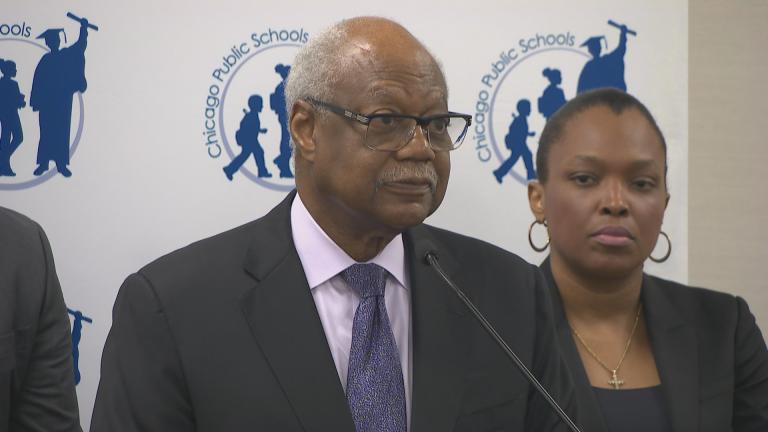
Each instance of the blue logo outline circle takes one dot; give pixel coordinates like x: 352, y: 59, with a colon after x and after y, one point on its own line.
x: 227, y: 147
x: 520, y: 179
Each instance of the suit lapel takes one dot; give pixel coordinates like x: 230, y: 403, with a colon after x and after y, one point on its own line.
x: 590, y: 413
x: 440, y: 339
x: 283, y: 319
x: 675, y: 348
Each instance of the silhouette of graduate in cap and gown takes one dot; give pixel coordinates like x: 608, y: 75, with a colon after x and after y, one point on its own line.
x: 58, y: 76
x: 607, y: 70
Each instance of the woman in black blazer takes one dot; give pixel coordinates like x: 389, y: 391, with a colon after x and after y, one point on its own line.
x: 646, y: 354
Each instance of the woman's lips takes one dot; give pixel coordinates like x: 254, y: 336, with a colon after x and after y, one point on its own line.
x: 613, y: 236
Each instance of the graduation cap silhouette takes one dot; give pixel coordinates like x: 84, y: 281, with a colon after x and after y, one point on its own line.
x: 594, y: 42
x: 50, y: 34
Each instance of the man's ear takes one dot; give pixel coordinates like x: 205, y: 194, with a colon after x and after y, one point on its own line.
x: 536, y: 200
x: 302, y: 125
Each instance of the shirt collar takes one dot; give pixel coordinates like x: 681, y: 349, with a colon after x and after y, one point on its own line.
x: 323, y: 259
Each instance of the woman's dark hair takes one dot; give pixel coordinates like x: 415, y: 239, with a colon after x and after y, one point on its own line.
x: 614, y: 99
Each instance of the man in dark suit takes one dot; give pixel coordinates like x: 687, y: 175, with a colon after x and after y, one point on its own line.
x: 323, y: 315
x: 37, y: 388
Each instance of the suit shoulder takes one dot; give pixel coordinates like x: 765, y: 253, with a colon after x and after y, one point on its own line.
x: 20, y: 235
x: 195, y: 262
x: 13, y: 223
x: 700, y: 303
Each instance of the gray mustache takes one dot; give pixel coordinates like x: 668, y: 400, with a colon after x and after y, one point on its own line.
x: 410, y: 170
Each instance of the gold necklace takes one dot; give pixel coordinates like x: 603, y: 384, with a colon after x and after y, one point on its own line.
x: 614, y: 381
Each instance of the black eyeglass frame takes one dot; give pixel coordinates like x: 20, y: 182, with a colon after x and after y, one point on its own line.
x: 422, y: 122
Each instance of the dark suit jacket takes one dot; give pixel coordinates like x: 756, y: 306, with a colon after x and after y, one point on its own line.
x: 710, y: 354
x: 223, y: 335
x: 37, y: 384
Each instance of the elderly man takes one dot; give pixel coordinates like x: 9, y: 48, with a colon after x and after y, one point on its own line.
x: 37, y: 382
x: 323, y: 315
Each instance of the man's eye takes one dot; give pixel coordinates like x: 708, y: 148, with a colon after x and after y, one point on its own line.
x: 439, y: 125
x: 384, y: 122
x: 643, y: 184
x: 583, y: 179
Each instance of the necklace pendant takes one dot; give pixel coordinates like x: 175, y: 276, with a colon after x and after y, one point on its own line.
x: 615, y: 381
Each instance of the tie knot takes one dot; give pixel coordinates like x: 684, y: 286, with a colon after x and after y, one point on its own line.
x: 368, y: 280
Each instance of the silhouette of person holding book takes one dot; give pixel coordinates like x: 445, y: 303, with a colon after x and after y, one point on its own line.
x: 277, y: 104
x: 553, y: 96
x: 11, y: 101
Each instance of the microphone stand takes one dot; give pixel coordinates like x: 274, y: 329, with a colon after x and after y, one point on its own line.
x: 431, y: 258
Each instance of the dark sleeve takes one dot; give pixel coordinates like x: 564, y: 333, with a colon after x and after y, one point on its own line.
x: 621, y: 49
x: 142, y: 384
x: 750, y: 403
x: 550, y: 368
x: 37, y: 92
x: 82, y: 40
x: 47, y: 401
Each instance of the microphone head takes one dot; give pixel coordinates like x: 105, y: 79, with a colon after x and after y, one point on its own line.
x: 429, y: 256
x: 423, y: 246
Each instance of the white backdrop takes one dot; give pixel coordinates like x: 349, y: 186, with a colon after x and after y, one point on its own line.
x: 145, y: 182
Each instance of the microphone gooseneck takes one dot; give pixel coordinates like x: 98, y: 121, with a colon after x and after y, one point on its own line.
x: 432, y: 259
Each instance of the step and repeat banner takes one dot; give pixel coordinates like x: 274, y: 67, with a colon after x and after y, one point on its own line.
x: 119, y: 120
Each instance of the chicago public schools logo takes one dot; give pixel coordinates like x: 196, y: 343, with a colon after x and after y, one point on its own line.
x: 245, y: 128
x: 511, y: 112
x: 40, y: 86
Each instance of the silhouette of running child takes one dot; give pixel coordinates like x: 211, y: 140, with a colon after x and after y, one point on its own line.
x: 553, y: 97
x: 515, y: 141
x: 277, y: 104
x: 11, y: 101
x: 247, y: 138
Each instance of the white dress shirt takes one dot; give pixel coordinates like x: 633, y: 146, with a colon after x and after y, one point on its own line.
x: 336, y: 302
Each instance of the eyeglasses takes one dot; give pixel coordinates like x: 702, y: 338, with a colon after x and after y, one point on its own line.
x: 391, y: 132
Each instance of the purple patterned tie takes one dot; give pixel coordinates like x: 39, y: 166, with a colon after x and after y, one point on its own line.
x: 375, y: 389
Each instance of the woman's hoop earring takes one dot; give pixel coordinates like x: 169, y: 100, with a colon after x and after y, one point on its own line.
x: 669, y: 250
x: 530, y: 237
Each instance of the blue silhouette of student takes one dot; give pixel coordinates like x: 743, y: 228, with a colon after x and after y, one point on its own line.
x: 58, y: 76
x: 248, y: 139
x: 515, y: 141
x: 77, y: 330
x: 607, y: 70
x: 553, y: 96
x: 11, y: 101
x: 277, y: 104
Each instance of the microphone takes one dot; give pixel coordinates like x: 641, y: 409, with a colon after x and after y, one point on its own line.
x: 431, y: 258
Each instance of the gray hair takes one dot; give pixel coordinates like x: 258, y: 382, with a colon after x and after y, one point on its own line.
x: 319, y: 64
x: 316, y: 67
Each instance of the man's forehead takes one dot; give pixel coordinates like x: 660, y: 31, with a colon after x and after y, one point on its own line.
x: 384, y: 72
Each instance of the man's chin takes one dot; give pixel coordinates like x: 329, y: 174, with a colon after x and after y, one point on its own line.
x: 405, y: 216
